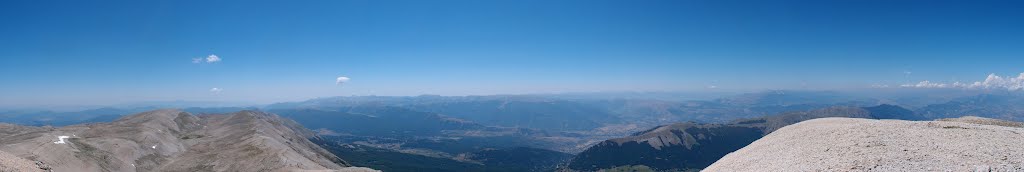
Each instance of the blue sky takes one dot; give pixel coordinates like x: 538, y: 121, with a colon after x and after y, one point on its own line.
x: 76, y: 52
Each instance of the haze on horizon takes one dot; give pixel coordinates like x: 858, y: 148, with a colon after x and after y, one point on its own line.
x: 88, y: 53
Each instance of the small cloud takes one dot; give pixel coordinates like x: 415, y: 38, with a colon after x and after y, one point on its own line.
x: 342, y: 80
x: 216, y: 90
x: 712, y: 87
x: 212, y: 58
x: 879, y: 86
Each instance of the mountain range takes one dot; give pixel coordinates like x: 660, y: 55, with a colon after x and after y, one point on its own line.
x: 461, y: 133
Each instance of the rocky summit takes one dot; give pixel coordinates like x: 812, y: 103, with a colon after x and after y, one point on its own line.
x: 847, y: 144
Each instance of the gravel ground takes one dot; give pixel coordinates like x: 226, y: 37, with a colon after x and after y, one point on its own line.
x: 847, y: 144
x: 11, y: 163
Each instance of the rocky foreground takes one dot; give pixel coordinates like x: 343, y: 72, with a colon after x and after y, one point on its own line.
x: 13, y: 163
x: 168, y: 140
x: 847, y: 144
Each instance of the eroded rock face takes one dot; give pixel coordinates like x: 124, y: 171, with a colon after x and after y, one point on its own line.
x: 846, y: 144
x: 171, y: 140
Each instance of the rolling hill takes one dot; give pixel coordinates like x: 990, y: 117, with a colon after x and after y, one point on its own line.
x: 172, y: 140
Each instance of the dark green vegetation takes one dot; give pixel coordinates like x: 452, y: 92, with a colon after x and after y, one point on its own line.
x: 527, y: 159
x: 688, y: 146
x: 501, y: 159
x: 631, y: 168
x: 387, y: 160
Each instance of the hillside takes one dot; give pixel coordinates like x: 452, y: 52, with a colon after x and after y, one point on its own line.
x: 845, y: 144
x: 172, y: 140
x: 683, y: 146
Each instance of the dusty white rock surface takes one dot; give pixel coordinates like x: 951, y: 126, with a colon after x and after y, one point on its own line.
x: 847, y: 144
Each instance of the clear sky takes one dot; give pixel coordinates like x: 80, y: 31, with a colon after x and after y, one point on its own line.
x: 79, y: 52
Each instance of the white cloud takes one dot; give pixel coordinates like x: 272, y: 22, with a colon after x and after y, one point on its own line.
x: 712, y: 87
x: 996, y: 81
x: 926, y: 84
x: 342, y: 80
x: 216, y: 90
x: 212, y: 58
x: 993, y: 81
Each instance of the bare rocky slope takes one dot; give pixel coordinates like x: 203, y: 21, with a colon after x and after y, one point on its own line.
x: 172, y: 140
x: 846, y: 144
x: 11, y: 163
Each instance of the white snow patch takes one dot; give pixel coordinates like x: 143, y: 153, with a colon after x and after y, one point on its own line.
x: 60, y: 139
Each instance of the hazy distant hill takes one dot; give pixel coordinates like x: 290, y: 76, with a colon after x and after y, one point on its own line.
x: 791, y: 97
x: 378, y: 121
x: 1005, y: 106
x: 106, y: 114
x: 506, y: 111
x: 51, y: 118
x: 562, y: 113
